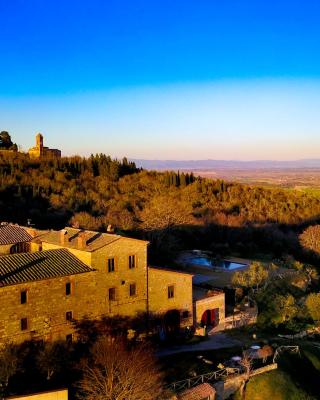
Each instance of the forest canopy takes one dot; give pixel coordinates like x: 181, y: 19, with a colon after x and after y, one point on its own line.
x: 98, y: 191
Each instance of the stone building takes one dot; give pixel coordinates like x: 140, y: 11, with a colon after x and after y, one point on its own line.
x: 203, y: 391
x: 209, y: 308
x: 41, y: 293
x: 170, y: 295
x: 40, y: 150
x: 70, y: 274
x: 18, y: 239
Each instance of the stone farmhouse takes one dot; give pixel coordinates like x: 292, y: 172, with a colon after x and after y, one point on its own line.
x: 41, y: 151
x: 50, y: 278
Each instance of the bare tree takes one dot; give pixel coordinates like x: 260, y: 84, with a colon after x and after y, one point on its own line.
x: 246, y: 365
x: 164, y: 213
x: 116, y: 372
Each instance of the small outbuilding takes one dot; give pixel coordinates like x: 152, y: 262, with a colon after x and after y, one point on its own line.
x: 200, y: 392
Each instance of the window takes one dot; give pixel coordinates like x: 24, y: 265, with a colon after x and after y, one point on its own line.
x: 20, y: 248
x: 24, y: 324
x: 69, y: 315
x: 185, y: 314
x: 68, y: 288
x: 112, y: 294
x: 69, y: 338
x: 23, y: 297
x: 170, y: 292
x: 132, y: 262
x: 133, y: 289
x: 110, y: 264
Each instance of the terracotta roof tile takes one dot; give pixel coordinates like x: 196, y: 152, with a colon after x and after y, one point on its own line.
x: 200, y: 392
x: 27, y: 267
x: 12, y: 234
x: 93, y: 240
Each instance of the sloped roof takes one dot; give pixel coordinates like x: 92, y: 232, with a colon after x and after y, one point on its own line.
x: 93, y: 240
x: 12, y: 234
x: 199, y: 392
x: 27, y: 267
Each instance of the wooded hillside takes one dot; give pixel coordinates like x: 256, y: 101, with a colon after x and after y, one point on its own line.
x: 97, y: 191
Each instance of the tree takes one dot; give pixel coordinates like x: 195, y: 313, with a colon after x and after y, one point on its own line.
x: 281, y: 309
x: 117, y: 372
x: 313, y: 306
x: 252, y: 278
x: 246, y: 366
x: 9, y: 365
x: 164, y: 213
x: 310, y: 238
x: 6, y: 142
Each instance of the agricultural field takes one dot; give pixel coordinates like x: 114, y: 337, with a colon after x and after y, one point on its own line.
x: 300, y: 179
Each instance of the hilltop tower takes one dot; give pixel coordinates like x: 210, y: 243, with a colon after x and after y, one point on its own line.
x: 40, y: 151
x: 39, y: 141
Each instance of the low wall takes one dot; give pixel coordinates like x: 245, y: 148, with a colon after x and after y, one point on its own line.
x: 243, y: 318
x: 54, y: 395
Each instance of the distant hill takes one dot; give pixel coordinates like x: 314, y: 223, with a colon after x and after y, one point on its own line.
x: 224, y: 164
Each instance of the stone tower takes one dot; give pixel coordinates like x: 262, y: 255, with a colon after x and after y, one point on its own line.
x: 39, y: 141
x: 40, y: 151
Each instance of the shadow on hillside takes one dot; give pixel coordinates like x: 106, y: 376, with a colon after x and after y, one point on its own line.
x: 269, y: 241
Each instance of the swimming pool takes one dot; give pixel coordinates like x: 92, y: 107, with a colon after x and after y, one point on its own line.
x: 210, y: 263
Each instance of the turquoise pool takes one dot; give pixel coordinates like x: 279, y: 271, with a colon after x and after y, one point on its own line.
x: 211, y: 263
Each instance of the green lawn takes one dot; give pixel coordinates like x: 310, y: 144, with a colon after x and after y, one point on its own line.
x: 274, y: 385
x: 297, y: 376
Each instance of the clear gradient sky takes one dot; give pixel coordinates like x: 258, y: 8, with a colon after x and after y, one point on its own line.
x: 199, y: 79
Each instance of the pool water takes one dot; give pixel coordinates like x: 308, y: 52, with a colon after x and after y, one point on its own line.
x: 205, y: 261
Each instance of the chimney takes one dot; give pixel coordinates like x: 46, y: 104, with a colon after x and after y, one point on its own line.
x: 82, y: 240
x: 63, y: 236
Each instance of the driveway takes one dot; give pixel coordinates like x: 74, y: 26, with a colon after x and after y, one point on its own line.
x: 214, y: 342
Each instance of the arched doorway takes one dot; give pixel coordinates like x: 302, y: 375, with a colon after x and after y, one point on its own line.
x: 171, y: 322
x: 210, y: 317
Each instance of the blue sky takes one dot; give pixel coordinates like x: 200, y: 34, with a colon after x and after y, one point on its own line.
x: 163, y: 79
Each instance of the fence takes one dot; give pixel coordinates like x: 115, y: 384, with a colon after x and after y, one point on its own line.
x: 197, y: 380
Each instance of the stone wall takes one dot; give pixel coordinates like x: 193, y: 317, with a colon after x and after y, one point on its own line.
x: 5, y: 249
x: 46, y: 307
x: 123, y: 276
x: 159, y: 303
x: 210, y: 303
